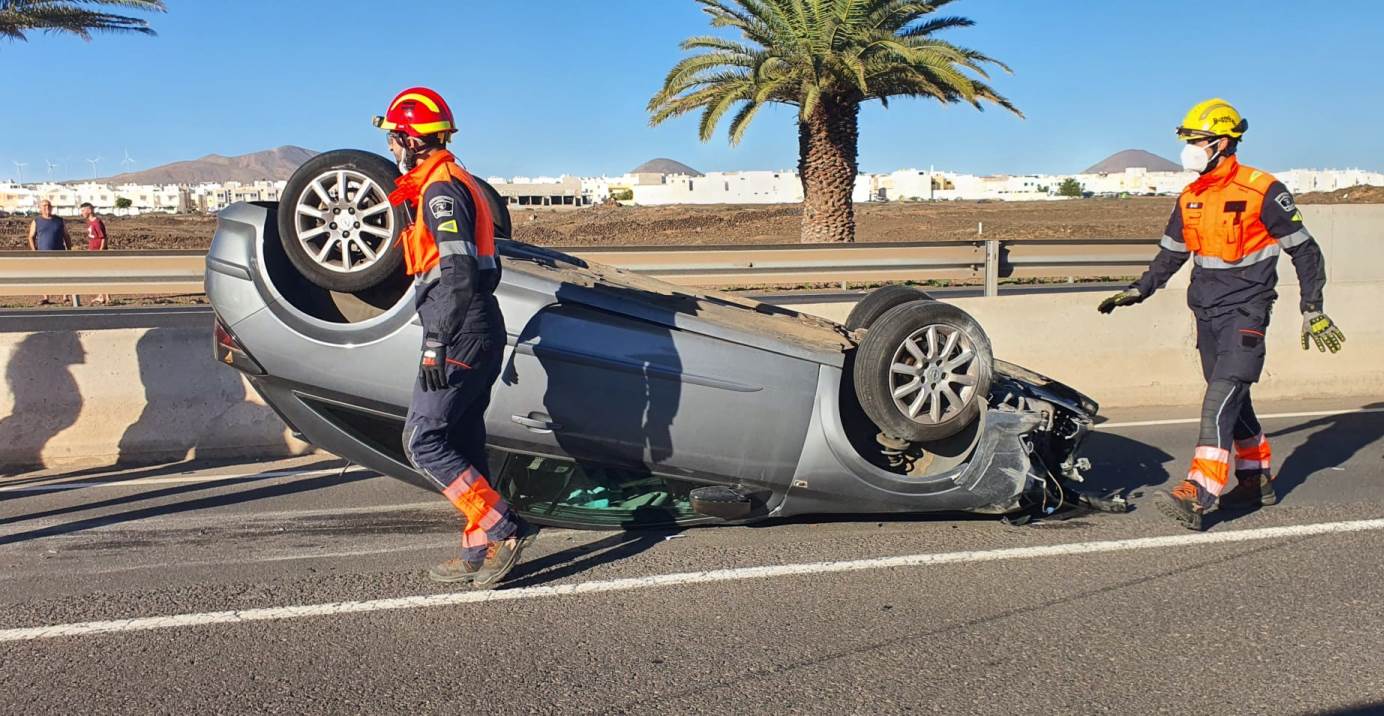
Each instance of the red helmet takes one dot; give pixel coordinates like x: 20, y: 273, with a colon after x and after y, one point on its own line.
x: 417, y: 111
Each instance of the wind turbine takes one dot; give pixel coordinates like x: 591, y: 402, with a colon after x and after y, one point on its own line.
x: 93, y: 162
x: 127, y: 162
x: 19, y: 167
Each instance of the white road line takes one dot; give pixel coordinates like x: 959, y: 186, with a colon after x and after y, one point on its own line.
x: 1270, y: 416
x: 668, y: 580
x: 176, y: 480
x: 411, y: 547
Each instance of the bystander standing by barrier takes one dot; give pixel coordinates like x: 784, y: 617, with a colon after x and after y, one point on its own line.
x: 96, y: 239
x: 48, y: 233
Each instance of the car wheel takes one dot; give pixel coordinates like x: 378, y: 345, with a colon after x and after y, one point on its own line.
x: 923, y: 371
x: 877, y: 302
x: 335, y: 221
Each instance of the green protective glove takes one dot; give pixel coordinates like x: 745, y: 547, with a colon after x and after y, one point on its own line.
x: 1127, y: 297
x: 1320, y: 328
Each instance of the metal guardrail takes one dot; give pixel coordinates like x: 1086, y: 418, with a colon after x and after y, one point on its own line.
x: 25, y: 273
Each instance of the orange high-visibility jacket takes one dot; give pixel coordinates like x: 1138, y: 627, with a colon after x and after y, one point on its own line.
x: 1233, y: 222
x: 422, y: 252
x: 1221, y: 222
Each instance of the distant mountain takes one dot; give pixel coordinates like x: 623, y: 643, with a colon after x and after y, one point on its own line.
x: 269, y: 164
x: 1130, y: 159
x: 663, y: 165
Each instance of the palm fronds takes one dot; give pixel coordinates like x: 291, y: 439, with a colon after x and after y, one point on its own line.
x: 18, y: 18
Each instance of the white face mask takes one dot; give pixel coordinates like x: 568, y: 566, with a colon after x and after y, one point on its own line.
x: 1194, y: 158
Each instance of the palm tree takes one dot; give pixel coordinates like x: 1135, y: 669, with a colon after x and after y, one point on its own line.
x: 78, y: 17
x: 824, y: 57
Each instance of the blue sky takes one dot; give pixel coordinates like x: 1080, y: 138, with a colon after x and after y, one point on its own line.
x: 560, y: 86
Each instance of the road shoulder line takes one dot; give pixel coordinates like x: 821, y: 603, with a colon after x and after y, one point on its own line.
x: 684, y: 578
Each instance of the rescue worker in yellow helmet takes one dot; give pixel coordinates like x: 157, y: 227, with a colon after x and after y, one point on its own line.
x: 450, y: 251
x: 1233, y: 221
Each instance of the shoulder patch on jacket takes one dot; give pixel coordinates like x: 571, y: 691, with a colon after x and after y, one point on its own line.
x: 442, y: 207
x: 1285, y: 200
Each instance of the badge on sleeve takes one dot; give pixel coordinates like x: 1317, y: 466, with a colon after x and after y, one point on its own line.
x: 442, y: 207
x: 1285, y: 200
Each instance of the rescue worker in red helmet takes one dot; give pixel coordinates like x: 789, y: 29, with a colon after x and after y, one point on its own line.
x: 450, y: 250
x: 1233, y: 222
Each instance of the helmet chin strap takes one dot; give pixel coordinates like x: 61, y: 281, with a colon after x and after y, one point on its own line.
x: 413, y: 146
x: 1215, y: 159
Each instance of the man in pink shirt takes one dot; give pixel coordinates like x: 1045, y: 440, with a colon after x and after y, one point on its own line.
x: 96, y: 238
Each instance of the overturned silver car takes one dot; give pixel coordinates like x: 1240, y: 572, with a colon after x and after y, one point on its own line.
x: 629, y: 401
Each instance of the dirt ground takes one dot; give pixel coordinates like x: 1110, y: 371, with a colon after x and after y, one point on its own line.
x: 744, y: 224
x: 719, y: 224
x: 1350, y: 195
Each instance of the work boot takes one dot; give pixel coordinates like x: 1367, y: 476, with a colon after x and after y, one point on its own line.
x: 454, y: 570
x: 1187, y: 503
x: 1250, y: 494
x: 501, y: 556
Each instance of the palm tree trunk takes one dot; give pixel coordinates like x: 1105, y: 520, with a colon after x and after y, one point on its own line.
x: 827, y: 167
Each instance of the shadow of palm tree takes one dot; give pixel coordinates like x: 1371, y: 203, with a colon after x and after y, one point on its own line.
x: 141, y: 496
x: 234, y: 498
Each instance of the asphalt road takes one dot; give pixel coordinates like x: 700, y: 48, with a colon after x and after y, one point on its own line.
x: 1279, y: 611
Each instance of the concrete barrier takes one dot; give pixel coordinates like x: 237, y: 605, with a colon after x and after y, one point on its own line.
x: 129, y: 396
x: 1146, y: 354
x: 73, y: 398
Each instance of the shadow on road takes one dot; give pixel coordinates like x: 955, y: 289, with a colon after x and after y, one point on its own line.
x: 1337, y: 439
x: 1123, y: 465
x: 581, y: 558
x: 223, y: 500
x: 1373, y: 708
x: 111, y: 472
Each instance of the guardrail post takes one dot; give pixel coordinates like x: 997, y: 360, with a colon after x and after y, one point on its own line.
x: 992, y: 267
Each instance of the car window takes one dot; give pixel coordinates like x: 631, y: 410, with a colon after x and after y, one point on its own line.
x: 592, y: 495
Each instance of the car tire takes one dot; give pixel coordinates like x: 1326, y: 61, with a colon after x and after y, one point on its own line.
x: 366, y: 253
x: 940, y: 352
x: 877, y: 302
x: 330, y: 252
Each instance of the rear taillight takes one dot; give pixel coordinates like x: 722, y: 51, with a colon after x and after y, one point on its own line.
x: 229, y: 351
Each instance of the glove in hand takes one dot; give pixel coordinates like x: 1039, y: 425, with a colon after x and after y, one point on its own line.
x: 1127, y: 297
x: 1318, y: 327
x: 432, y: 367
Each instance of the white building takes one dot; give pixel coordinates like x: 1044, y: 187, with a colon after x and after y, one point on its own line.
x: 1301, y: 181
x: 1135, y: 181
x: 756, y: 187
x: 656, y: 189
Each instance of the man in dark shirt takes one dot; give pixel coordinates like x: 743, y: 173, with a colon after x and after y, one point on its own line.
x: 1233, y: 221
x: 48, y: 233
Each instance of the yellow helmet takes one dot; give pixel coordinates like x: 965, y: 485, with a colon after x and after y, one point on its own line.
x: 1212, y: 118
